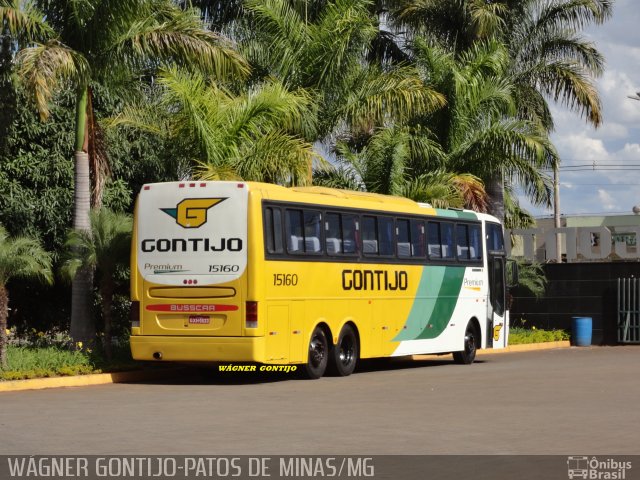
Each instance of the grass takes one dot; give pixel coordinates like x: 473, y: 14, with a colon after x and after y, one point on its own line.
x: 47, y: 355
x: 520, y: 336
x: 37, y: 362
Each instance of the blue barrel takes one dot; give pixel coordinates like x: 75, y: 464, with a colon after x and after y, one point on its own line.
x: 581, y: 328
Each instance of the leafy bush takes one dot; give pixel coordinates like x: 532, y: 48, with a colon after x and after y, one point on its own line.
x: 33, y: 362
x: 519, y: 336
x: 48, y: 354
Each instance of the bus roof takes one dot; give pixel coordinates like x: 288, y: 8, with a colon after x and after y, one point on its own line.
x: 340, y: 197
x: 389, y: 201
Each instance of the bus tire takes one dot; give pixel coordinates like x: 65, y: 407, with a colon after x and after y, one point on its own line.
x: 344, y: 355
x: 318, y: 355
x: 468, y: 355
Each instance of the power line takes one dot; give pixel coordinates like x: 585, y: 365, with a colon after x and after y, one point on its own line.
x: 570, y: 184
x: 583, y: 214
x: 598, y: 168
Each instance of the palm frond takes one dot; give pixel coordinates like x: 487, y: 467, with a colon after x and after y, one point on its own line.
x: 574, y: 14
x: 340, y: 176
x: 570, y: 84
x: 284, y: 36
x: 471, y: 188
x: 179, y: 37
x: 104, y: 247
x: 436, y: 188
x: 377, y: 97
x: 486, y: 17
x: 24, y: 21
x: 23, y: 257
x: 44, y: 66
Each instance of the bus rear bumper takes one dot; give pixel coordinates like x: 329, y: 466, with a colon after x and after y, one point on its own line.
x: 197, y: 349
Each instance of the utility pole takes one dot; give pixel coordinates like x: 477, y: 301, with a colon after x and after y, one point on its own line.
x: 556, y: 210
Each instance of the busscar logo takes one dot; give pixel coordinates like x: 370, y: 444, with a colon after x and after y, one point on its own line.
x: 192, y: 212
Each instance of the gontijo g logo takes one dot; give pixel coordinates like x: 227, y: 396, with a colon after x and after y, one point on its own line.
x: 192, y: 212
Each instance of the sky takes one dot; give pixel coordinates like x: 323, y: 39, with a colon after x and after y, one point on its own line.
x: 603, y: 187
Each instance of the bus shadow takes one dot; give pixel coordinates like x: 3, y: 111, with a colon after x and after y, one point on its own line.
x: 213, y: 375
x: 404, y: 363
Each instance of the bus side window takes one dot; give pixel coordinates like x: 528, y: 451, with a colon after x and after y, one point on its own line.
x: 369, y: 236
x: 475, y: 242
x: 273, y: 230
x: 448, y: 242
x: 462, y: 241
x: 333, y: 235
x: 433, y: 239
x: 312, y: 222
x: 350, y: 234
x: 386, y: 236
x: 410, y: 238
x: 403, y: 234
x: 294, y: 232
x: 417, y: 238
x: 340, y: 234
x: 303, y: 231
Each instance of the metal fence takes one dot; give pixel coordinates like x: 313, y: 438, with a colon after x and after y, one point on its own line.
x: 628, y: 310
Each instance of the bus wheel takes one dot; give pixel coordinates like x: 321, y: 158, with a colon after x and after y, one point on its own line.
x: 344, y: 355
x: 318, y: 354
x: 468, y: 355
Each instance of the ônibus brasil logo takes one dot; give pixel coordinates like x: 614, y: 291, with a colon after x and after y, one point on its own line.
x: 192, y: 212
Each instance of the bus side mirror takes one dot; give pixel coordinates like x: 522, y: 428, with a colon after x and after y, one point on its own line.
x: 512, y: 273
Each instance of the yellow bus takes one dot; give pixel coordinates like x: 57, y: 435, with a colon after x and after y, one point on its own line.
x: 310, y: 276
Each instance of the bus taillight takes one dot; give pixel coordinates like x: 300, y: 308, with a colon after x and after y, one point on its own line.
x: 251, y: 318
x: 134, y: 313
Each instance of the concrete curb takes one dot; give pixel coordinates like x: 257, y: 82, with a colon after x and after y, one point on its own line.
x: 86, y: 380
x: 527, y: 347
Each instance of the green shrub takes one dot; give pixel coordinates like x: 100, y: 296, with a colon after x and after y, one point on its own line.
x: 49, y: 354
x: 519, y: 335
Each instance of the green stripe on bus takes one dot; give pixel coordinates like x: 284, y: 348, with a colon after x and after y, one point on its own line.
x: 435, y: 301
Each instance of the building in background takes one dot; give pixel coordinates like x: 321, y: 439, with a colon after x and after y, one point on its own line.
x: 601, y: 238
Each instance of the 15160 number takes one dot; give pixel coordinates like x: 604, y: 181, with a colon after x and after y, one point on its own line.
x: 285, y: 279
x: 224, y: 268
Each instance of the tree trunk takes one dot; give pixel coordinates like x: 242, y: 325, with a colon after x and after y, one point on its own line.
x: 82, y: 324
x: 495, y: 191
x: 4, y: 313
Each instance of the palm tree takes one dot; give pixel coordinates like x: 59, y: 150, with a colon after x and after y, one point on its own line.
x: 323, y: 48
x: 403, y: 161
x: 479, y: 130
x: 110, y: 42
x: 551, y: 59
x: 104, y: 249
x: 258, y: 134
x: 21, y: 257
x: 547, y: 56
x: 532, y: 278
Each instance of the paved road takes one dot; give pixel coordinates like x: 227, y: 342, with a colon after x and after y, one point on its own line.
x: 564, y: 401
